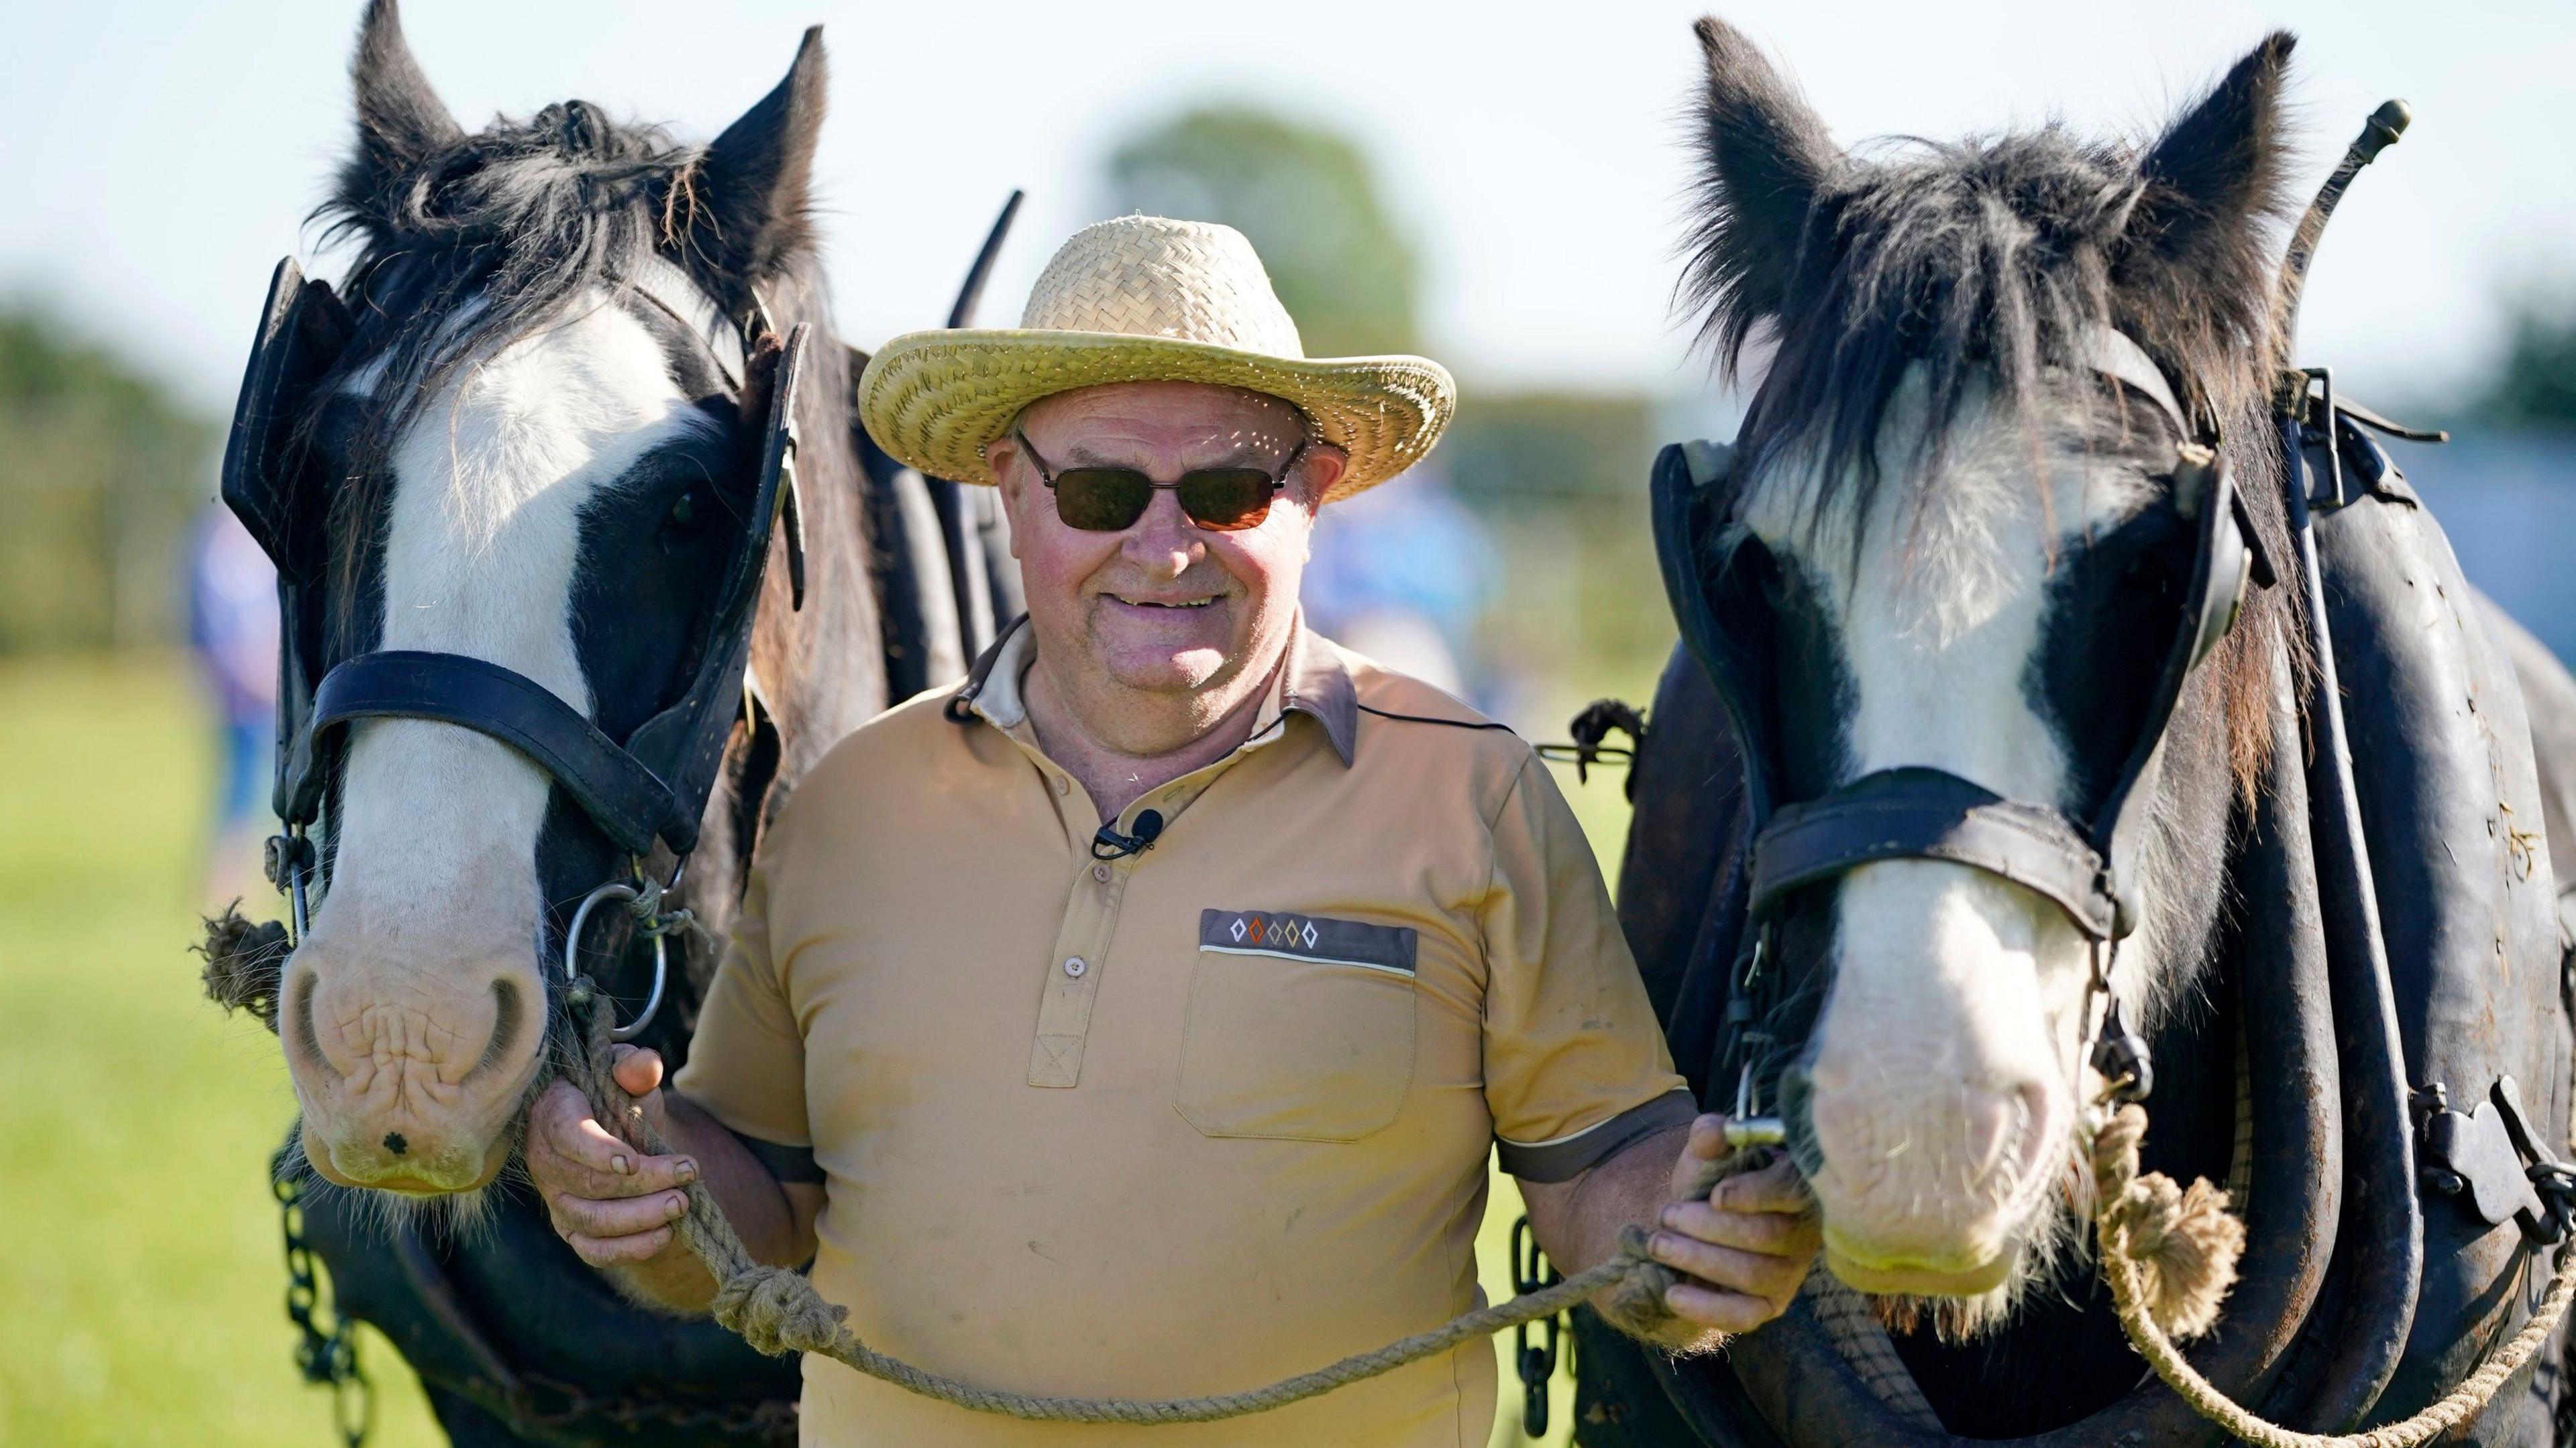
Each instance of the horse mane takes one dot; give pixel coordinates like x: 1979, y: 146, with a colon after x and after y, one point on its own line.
x: 1985, y: 263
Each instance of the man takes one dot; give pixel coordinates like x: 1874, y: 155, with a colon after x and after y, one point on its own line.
x: 1135, y: 1019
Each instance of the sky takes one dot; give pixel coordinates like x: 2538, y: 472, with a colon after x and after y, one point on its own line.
x: 161, y: 156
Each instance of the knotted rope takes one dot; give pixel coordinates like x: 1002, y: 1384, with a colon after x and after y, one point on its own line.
x: 244, y: 959
x: 778, y: 1311
x: 2170, y: 1256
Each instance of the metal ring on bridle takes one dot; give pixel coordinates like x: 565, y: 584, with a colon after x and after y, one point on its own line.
x: 655, y: 928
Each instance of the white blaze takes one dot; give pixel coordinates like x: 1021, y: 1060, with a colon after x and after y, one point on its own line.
x: 481, y: 545
x: 1945, y: 1050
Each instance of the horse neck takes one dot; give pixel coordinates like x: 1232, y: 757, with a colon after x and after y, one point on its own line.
x: 2194, y: 848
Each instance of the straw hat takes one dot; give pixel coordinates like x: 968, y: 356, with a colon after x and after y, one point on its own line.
x: 1146, y: 299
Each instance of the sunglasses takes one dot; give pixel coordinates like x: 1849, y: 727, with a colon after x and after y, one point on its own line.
x: 1110, y: 500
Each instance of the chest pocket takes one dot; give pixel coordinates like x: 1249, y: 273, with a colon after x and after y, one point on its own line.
x: 1300, y: 1027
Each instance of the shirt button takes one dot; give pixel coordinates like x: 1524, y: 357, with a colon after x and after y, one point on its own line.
x: 1101, y: 874
x: 1064, y: 786
x: 1074, y: 967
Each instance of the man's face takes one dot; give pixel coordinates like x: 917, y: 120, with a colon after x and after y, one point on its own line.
x: 1164, y: 606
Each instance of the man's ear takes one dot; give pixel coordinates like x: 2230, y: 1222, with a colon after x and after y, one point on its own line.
x: 1002, y: 455
x: 1323, y: 468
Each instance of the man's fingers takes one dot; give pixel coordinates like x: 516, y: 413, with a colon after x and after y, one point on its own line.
x: 1725, y: 1311
x: 1731, y: 1268
x: 1775, y: 1234
x: 1704, y: 1146
x: 611, y: 1168
x: 1775, y: 1188
x: 619, y: 1251
x: 569, y: 1151
x: 616, y: 1216
x: 636, y: 1069
x: 1707, y: 1137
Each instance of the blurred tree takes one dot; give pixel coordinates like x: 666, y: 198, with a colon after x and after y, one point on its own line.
x: 2535, y: 386
x: 100, y: 469
x: 1309, y: 202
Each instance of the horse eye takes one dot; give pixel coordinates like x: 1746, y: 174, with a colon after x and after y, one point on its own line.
x: 684, y: 510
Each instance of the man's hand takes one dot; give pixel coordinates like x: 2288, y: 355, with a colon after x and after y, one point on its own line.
x: 1745, y: 1249
x: 1742, y: 1249
x: 611, y: 1202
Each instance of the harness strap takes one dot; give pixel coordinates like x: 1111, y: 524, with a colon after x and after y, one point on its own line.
x: 1914, y: 813
x: 630, y: 804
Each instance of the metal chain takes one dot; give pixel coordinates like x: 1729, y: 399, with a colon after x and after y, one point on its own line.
x: 1531, y: 1271
x: 326, y: 1359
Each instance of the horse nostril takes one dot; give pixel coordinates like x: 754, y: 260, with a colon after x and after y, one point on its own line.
x: 507, y: 1017
x: 394, y: 1143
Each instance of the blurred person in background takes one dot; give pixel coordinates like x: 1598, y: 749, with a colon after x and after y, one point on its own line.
x: 1401, y: 575
x: 232, y: 628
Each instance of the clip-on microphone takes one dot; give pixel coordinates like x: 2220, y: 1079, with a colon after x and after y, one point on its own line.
x: 1108, y: 844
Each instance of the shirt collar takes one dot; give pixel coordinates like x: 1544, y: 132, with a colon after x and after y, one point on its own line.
x: 1315, y: 681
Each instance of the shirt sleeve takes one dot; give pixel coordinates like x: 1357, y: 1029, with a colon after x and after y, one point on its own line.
x: 1575, y: 1063
x: 747, y: 1062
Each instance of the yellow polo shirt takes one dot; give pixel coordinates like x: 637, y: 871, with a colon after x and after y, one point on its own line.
x: 1190, y: 1120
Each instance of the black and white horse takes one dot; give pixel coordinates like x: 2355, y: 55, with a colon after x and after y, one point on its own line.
x: 541, y: 456
x: 536, y: 444
x: 1958, y: 493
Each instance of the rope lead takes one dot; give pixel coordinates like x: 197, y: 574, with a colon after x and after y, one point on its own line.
x: 778, y: 1311
x: 2169, y: 1261
x: 2169, y: 1254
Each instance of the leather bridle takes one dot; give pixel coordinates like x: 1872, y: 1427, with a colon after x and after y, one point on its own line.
x: 650, y: 787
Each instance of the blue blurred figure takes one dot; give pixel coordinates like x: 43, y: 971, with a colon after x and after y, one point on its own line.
x: 1402, y: 574
x: 232, y: 626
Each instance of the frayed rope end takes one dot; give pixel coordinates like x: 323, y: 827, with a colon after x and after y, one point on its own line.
x: 244, y: 961
x: 2184, y: 1242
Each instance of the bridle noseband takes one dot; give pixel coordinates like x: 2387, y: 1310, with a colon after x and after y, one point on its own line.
x: 1921, y: 813
x: 650, y: 787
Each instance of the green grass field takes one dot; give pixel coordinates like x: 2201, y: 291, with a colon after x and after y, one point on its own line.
x: 140, y: 1280
x: 140, y: 1276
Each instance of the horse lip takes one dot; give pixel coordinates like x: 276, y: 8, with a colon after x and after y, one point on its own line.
x: 1902, y: 1276
x: 412, y: 1181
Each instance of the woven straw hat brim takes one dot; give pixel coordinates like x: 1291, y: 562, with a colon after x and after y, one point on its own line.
x: 932, y: 400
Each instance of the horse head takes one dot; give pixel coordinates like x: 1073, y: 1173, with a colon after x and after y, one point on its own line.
x: 537, y: 451
x: 1974, y: 476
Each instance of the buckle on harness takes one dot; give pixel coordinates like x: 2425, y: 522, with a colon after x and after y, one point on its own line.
x: 2493, y: 1164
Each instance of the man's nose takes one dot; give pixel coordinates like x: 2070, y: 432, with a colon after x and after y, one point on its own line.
x: 1164, y: 541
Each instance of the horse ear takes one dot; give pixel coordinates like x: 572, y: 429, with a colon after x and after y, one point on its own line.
x: 2220, y: 168
x: 1768, y: 160
x: 401, y: 121
x: 747, y: 208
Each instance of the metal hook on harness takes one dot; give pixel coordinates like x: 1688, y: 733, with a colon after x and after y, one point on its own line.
x: 288, y: 856
x: 2118, y: 1053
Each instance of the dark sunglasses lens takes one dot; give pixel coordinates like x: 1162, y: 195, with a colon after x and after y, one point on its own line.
x: 1102, y: 500
x: 1226, y: 500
